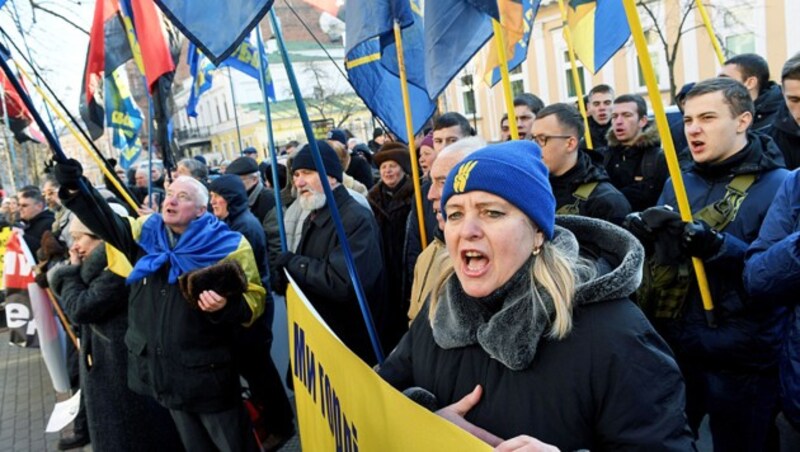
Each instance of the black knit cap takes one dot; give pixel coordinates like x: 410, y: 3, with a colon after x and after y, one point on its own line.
x: 302, y: 160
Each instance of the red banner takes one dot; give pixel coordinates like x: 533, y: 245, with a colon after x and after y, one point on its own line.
x: 17, y: 271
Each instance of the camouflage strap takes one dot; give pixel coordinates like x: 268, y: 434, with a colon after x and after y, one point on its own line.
x: 581, y: 195
x: 720, y: 214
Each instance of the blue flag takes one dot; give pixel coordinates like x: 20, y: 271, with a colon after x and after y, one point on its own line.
x: 454, y: 31
x: 371, y: 60
x: 215, y: 27
x: 123, y: 117
x: 517, y: 18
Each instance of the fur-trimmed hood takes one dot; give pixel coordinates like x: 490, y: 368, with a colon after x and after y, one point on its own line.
x: 647, y: 139
x: 512, y: 334
x: 88, y: 270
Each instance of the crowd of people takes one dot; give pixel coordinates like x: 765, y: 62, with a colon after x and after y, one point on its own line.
x: 552, y: 304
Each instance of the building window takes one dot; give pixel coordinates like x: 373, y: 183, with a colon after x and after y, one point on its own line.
x: 468, y: 95
x: 736, y: 33
x: 219, y: 116
x: 657, y: 58
x: 227, y: 113
x: 517, y: 78
x: 571, y: 91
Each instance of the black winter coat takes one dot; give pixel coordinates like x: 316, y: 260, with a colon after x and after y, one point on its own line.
x: 361, y: 170
x: 118, y: 418
x: 598, y: 133
x: 261, y: 200
x: 767, y: 104
x: 639, y: 178
x: 605, y: 202
x: 748, y: 334
x: 611, y: 384
x: 179, y: 355
x: 785, y: 131
x: 320, y: 269
x: 36, y: 227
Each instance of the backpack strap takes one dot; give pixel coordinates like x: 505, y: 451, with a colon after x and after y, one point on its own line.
x: 721, y: 213
x: 582, y: 194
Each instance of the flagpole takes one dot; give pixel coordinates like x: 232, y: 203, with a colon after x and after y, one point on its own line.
x: 669, y: 147
x: 398, y: 38
x: 149, y: 147
x: 587, y: 134
x: 12, y: 154
x: 710, y: 30
x: 96, y: 156
x: 235, y: 114
x: 323, y: 176
x: 273, y: 155
x: 500, y: 42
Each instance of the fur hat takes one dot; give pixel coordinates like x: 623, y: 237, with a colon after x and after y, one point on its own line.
x: 513, y: 171
x: 227, y: 278
x: 303, y: 160
x: 394, y: 151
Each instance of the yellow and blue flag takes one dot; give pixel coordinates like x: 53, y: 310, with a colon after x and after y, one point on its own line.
x: 215, y: 27
x: 371, y: 60
x: 454, y: 31
x: 599, y: 29
x: 123, y: 117
x: 516, y: 17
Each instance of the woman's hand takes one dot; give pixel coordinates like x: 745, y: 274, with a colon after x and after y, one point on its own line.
x: 74, y: 257
x: 211, y: 301
x: 525, y: 443
x: 455, y: 413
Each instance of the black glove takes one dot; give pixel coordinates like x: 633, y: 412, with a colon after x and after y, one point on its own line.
x: 701, y: 240
x: 279, y: 280
x: 69, y: 173
x: 636, y: 226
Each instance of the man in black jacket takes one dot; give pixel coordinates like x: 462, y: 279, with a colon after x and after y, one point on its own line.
x: 634, y: 160
x: 319, y: 266
x: 35, y: 217
x: 785, y: 128
x: 753, y: 71
x: 580, y: 185
x: 599, y: 110
x: 180, y: 342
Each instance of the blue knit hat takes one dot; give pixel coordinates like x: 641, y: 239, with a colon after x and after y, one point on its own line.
x: 303, y: 160
x: 513, y: 171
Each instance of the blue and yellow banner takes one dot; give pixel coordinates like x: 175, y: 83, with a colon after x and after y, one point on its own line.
x: 599, y: 29
x: 123, y: 117
x: 516, y: 18
x: 343, y: 405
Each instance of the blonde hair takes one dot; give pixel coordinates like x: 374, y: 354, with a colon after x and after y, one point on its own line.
x: 554, y: 272
x: 341, y: 152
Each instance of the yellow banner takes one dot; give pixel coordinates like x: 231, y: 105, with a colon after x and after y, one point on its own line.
x: 343, y: 405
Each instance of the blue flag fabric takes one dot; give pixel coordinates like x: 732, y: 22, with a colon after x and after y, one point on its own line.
x: 245, y: 59
x: 205, y: 242
x: 454, y: 31
x: 520, y: 52
x: 215, y: 27
x: 123, y: 117
x: 371, y: 60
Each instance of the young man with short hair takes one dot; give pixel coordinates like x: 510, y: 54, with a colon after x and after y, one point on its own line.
x: 753, y: 72
x: 785, y: 128
x: 598, y: 108
x: 526, y: 107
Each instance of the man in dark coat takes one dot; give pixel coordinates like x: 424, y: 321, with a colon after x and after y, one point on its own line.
x: 319, y: 266
x: 598, y: 108
x: 753, y: 71
x: 252, y: 351
x: 260, y: 199
x: 580, y: 184
x: 634, y: 160
x: 730, y: 369
x: 785, y: 128
x: 36, y: 218
x: 180, y: 342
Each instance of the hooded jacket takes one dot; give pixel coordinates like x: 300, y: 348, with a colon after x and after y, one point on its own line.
x: 748, y: 334
x: 605, y: 202
x: 767, y: 105
x: 785, y: 131
x: 36, y: 227
x: 638, y: 171
x: 580, y: 392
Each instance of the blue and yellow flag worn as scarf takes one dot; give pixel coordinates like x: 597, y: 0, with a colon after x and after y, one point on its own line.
x: 205, y: 242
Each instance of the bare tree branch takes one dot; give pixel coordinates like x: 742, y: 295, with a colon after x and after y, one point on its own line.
x: 56, y: 14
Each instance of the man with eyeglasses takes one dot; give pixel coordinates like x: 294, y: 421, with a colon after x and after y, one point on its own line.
x: 633, y: 159
x: 35, y: 217
x: 579, y: 182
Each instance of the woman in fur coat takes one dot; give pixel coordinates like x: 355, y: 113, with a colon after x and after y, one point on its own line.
x: 96, y: 299
x: 530, y: 341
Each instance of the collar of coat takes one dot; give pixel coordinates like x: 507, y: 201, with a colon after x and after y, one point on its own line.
x: 647, y: 139
x: 512, y: 334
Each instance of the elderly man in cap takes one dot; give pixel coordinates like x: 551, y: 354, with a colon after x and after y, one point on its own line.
x: 251, y: 153
x: 318, y: 265
x: 260, y: 199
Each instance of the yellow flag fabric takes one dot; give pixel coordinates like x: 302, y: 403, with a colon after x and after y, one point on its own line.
x: 599, y: 28
x: 343, y: 405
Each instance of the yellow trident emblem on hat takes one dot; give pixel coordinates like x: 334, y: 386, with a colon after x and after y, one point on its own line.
x: 460, y: 181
